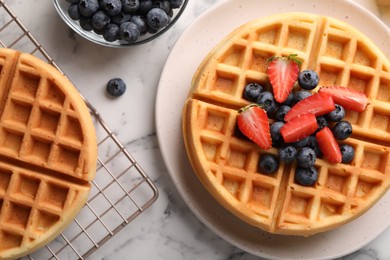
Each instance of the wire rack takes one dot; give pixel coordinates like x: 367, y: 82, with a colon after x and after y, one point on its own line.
x: 121, y: 190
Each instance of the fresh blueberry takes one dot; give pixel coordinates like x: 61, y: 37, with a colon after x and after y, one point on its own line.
x: 73, y: 12
x: 140, y: 22
x: 347, y: 153
x: 302, y: 143
x: 287, y: 153
x: 267, y: 102
x: 86, y: 23
x: 281, y: 112
x: 111, y: 7
x: 111, y: 32
x: 308, y: 79
x: 128, y: 32
x: 130, y: 6
x: 176, y: 3
x: 116, y: 87
x: 100, y: 20
x: 321, y: 122
x: 277, y: 139
x: 299, y: 95
x: 252, y: 91
x: 306, y: 176
x: 313, y: 144
x: 290, y: 100
x: 268, y: 163
x: 145, y: 6
x: 157, y: 18
x: 120, y: 18
x: 88, y: 7
x: 342, y: 130
x: 73, y: 1
x: 337, y: 114
x: 306, y: 157
x: 164, y: 5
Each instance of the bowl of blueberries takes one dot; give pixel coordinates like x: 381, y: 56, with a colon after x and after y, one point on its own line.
x: 120, y: 23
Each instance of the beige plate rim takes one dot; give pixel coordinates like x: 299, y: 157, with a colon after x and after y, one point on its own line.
x: 196, y: 41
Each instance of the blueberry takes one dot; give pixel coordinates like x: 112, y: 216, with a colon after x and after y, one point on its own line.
x: 157, y: 18
x: 321, y: 122
x: 252, y: 91
x: 130, y: 6
x: 111, y: 7
x: 337, y: 114
x: 290, y: 99
x: 313, y: 144
x: 120, y: 18
x: 342, y: 130
x: 88, y: 7
x: 306, y: 176
x: 306, y: 157
x: 111, y: 32
x: 164, y: 5
x: 73, y: 12
x: 129, y: 32
x: 267, y: 102
x: 277, y: 139
x: 73, y: 1
x: 176, y: 3
x: 86, y: 23
x: 145, y: 6
x: 116, y: 87
x: 268, y: 163
x: 302, y: 94
x: 308, y: 79
x: 100, y: 20
x: 287, y: 153
x: 281, y: 112
x: 140, y: 22
x: 302, y: 143
x: 347, y: 153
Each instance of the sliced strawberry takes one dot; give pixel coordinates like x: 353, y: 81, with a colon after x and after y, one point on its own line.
x: 317, y: 104
x: 283, y: 73
x: 253, y: 123
x: 348, y: 98
x: 299, y: 127
x: 328, y: 145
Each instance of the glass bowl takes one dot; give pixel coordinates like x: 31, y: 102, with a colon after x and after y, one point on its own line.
x: 62, y: 8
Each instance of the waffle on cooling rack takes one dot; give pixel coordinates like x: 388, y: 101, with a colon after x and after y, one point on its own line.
x: 227, y: 164
x: 48, y: 153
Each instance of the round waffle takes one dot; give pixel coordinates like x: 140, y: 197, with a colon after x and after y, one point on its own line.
x: 48, y: 153
x: 227, y: 164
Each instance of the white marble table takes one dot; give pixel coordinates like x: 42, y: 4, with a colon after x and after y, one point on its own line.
x: 168, y: 229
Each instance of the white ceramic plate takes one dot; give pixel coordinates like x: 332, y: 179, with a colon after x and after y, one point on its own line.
x: 188, y: 52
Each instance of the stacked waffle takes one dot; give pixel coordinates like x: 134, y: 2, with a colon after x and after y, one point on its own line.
x: 48, y: 153
x: 227, y: 164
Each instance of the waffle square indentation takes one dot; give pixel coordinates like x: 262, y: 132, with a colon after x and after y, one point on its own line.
x: 239, y: 157
x: 225, y: 82
x: 10, y: 240
x: 300, y: 204
x: 364, y: 56
x: 44, y: 221
x: 234, y: 56
x: 54, y: 95
x: 38, y: 149
x: 211, y: 149
x: 337, y: 47
x: 27, y: 187
x: 365, y: 187
x: 269, y: 35
x: 54, y: 196
x: 360, y: 81
x: 262, y: 195
x: 375, y: 159
x: 298, y: 38
x: 330, y: 207
x: 258, y: 61
x: 338, y: 181
x: 330, y: 75
x: 11, y: 140
x: 380, y: 120
x: 72, y: 130
x: 67, y: 158
x: 384, y: 90
x: 46, y: 121
x: 17, y: 113
x: 17, y: 215
x: 233, y: 184
x: 25, y: 85
x: 5, y: 178
x: 216, y: 121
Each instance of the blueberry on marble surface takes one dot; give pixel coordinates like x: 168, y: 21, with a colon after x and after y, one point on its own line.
x: 116, y: 87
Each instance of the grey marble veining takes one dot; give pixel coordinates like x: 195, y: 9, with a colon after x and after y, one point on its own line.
x: 167, y: 230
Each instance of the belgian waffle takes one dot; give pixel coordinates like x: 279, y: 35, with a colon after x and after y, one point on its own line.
x: 48, y: 153
x: 227, y: 164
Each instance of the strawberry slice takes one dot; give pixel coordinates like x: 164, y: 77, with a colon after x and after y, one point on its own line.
x: 317, y: 104
x: 253, y: 123
x: 328, y: 145
x: 299, y: 127
x: 347, y: 97
x: 283, y: 73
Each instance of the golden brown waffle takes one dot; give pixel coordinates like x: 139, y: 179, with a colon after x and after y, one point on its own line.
x: 227, y: 164
x: 48, y: 153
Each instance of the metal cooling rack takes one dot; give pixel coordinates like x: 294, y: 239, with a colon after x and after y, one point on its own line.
x: 121, y: 190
